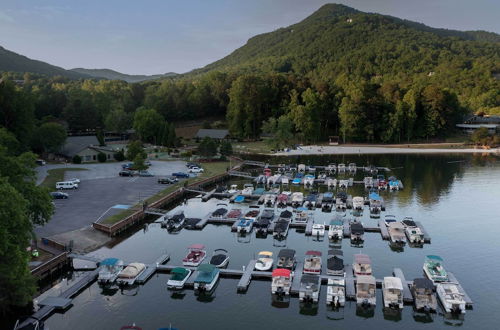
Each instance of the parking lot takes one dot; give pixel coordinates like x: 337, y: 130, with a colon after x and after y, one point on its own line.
x: 100, y: 189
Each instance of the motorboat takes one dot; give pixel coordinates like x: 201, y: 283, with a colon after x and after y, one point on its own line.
x: 362, y: 265
x: 392, y: 290
x: 192, y: 223
x: 451, y: 298
x: 381, y: 182
x: 366, y: 290
x: 259, y: 191
x: 239, y: 199
x: 282, y: 200
x: 297, y: 199
x: 341, y: 168
x: 312, y: 262
x: 264, y: 261
x: 220, y: 258
x: 375, y: 204
x: 397, y: 233
x: 264, y: 221
x: 286, y: 259
x: 234, y: 214
x: 196, y: 254
x: 109, y: 269
x: 245, y: 225
x: 372, y: 169
x: 273, y: 179
x: 301, y: 217
x: 285, y: 180
x: 281, y: 281
x: 298, y: 178
x: 335, y: 263
x: 318, y: 230
x: 286, y: 214
x: 423, y: 295
x: 336, y: 229
x: 343, y: 183
x: 174, y: 221
x: 335, y: 292
x: 310, y: 201
x: 269, y: 200
x: 341, y: 201
x: 394, y: 183
x: 207, y: 277
x: 357, y: 232
x: 358, y: 203
x: 412, y: 231
x: 301, y: 168
x: 129, y: 274
x: 327, y: 203
x: 308, y: 180
x: 331, y: 168
x: 178, y: 278
x: 233, y: 189
x: 247, y: 190
x: 368, y: 182
x: 352, y: 168
x: 267, y: 172
x: 311, y: 169
x: 220, y: 213
x: 331, y: 183
x: 322, y: 176
x: 434, y: 270
x: 252, y: 214
x: 389, y: 218
x: 281, y: 228
x: 309, y: 288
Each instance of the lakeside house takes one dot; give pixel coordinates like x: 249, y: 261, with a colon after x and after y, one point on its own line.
x: 492, y: 123
x: 87, y: 147
x: 217, y: 134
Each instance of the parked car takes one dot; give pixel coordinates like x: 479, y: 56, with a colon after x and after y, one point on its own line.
x: 59, y: 195
x: 66, y: 185
x: 191, y: 164
x: 145, y: 173
x: 195, y: 170
x: 126, y: 173
x: 128, y: 166
x: 147, y: 163
x: 40, y: 162
x: 75, y: 180
x: 180, y: 175
x: 167, y: 180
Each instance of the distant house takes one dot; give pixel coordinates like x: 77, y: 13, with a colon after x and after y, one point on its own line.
x: 492, y: 123
x: 87, y: 147
x: 218, y: 134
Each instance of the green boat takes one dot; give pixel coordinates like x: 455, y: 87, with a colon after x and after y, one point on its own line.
x: 433, y: 268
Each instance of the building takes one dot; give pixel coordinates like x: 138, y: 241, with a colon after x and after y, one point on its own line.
x: 87, y: 147
x: 492, y: 123
x: 218, y: 134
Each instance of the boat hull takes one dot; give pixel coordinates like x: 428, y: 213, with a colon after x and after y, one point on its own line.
x: 206, y: 286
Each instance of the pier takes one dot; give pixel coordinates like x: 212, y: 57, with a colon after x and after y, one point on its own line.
x: 407, y: 296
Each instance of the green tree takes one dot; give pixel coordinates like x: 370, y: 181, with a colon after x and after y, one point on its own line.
x: 117, y: 120
x: 9, y: 142
x: 139, y: 162
x: 148, y: 124
x: 77, y: 159
x: 207, y: 147
x: 100, y: 137
x: 119, y: 156
x: 101, y: 157
x: 480, y: 135
x: 226, y: 148
x: 49, y: 137
x: 134, y: 148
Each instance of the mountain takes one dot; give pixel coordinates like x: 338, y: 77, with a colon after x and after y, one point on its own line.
x: 10, y: 61
x: 114, y: 75
x: 339, y: 39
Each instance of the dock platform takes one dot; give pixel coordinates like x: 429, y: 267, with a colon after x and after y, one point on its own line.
x: 151, y: 269
x: 347, y: 229
x: 297, y: 276
x: 427, y: 238
x: 383, y: 230
x: 350, y: 290
x: 407, y: 296
x: 246, y: 278
x: 309, y: 226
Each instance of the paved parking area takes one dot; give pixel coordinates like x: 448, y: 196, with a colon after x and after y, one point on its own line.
x: 97, y: 195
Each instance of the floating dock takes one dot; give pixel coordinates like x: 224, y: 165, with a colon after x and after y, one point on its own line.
x: 297, y: 276
x: 383, y: 230
x: 246, y: 277
x: 427, y: 238
x: 151, y: 269
x: 350, y: 290
x: 407, y: 296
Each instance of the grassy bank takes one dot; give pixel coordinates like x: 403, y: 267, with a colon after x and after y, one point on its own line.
x: 57, y: 174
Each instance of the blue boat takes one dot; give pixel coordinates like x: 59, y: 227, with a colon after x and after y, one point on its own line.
x: 245, y: 225
x: 207, y: 277
x: 259, y: 191
x: 298, y: 178
x: 374, y: 196
x: 239, y: 199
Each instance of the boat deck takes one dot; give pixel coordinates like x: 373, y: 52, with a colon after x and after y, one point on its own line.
x: 468, y: 300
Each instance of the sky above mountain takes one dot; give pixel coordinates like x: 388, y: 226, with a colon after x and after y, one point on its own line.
x: 158, y: 36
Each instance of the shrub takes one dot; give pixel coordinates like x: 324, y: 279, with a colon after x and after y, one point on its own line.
x: 77, y: 159
x: 101, y: 157
x: 119, y: 156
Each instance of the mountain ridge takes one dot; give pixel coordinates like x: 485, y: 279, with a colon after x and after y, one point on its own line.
x: 115, y: 75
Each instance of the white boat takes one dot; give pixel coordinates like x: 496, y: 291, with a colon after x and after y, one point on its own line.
x: 269, y: 199
x: 332, y: 168
x: 389, y: 218
x: 335, y: 263
x: 434, y: 270
x: 343, y: 184
x: 308, y: 180
x: 311, y: 169
x: 413, y: 233
x: 233, y: 189
x: 285, y: 179
x: 244, y: 226
x: 175, y: 221
x: 297, y: 199
x: 357, y: 232
x: 335, y: 292
x: 309, y: 288
x: 178, y: 278
x: 301, y: 168
x: 247, y: 190
x: 196, y: 254
x: 312, y: 262
x: 220, y: 258
x: 264, y: 261
x: 109, y: 269
x: 368, y: 181
x: 286, y: 192
x: 281, y: 227
x: 336, y: 229
x: 331, y: 183
x: 424, y: 296
x: 341, y: 168
x: 392, y: 290
x: 397, y: 233
x: 301, y: 217
x: 281, y: 282
x: 318, y: 230
x: 207, y: 277
x: 366, y: 290
x: 358, y: 203
x: 451, y: 298
x: 130, y: 273
x: 341, y: 201
x: 362, y: 265
x: 352, y: 168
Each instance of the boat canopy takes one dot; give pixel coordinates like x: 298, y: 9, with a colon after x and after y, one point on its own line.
x: 266, y: 253
x: 259, y: 191
x: 311, y: 197
x: 335, y: 263
x: 335, y: 253
x: 393, y: 283
x: 311, y: 280
x: 239, y: 199
x: 109, y: 262
x: 206, y: 268
x: 374, y: 196
x: 423, y: 283
x: 132, y: 270
x: 286, y: 253
x: 313, y: 253
x: 366, y: 279
x: 396, y: 225
x: 409, y: 223
x: 434, y: 258
x: 219, y: 212
x: 267, y: 214
x: 281, y: 272
x: 196, y: 247
x: 342, y: 195
x: 328, y: 195
x: 286, y: 214
x: 362, y: 259
x: 357, y: 228
x: 336, y: 222
x: 180, y: 271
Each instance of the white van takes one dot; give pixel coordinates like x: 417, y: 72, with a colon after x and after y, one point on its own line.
x: 66, y: 185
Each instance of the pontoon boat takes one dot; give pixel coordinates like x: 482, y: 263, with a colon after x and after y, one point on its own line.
x: 451, y: 298
x: 336, y: 229
x: 366, y: 290
x: 281, y: 282
x: 309, y: 288
x: 392, y: 289
x: 397, y: 233
x: 318, y: 230
x: 424, y: 296
x: 195, y: 255
x: 335, y: 292
x: 109, y: 269
x: 335, y: 263
x: 362, y: 265
x: 130, y: 273
x: 286, y: 259
x: 312, y: 262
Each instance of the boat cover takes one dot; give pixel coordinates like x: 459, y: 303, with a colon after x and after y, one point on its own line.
x: 234, y: 213
x: 336, y: 222
x: 268, y: 214
x: 286, y: 214
x: 262, y: 222
x: 196, y: 247
x: 109, y: 262
x: 374, y: 196
x: 311, y: 197
x: 281, y: 272
x: 219, y: 212
x: 179, y: 273
x: 342, y: 195
x: 239, y: 199
x: 259, y: 191
x: 286, y: 253
x: 191, y: 222
x: 434, y: 258
x: 310, y: 279
x: 409, y: 223
x: 132, y: 270
x: 365, y: 279
x: 327, y: 195
x: 357, y: 228
x: 335, y: 263
x: 313, y: 253
x: 218, y: 259
x: 362, y: 259
x: 266, y: 253
x: 393, y: 283
x: 335, y: 253
x: 423, y: 283
x: 177, y: 216
x: 206, y: 273
x: 281, y: 225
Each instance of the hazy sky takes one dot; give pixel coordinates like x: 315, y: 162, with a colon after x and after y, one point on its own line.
x: 158, y: 36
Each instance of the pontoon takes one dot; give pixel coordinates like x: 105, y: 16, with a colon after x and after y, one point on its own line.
x: 424, y: 296
x: 308, y: 180
x: 381, y: 182
x: 309, y: 288
x: 358, y: 203
x: 109, y: 269
x: 310, y: 201
x: 341, y: 168
x: 130, y: 273
x: 267, y: 171
x: 281, y: 282
x: 301, y: 217
x: 311, y: 169
x: 297, y: 199
x: 174, y: 221
x: 357, y: 232
x: 264, y: 221
x: 336, y: 229
x: 286, y: 259
x: 281, y: 228
x: 392, y: 290
x: 397, y: 233
x: 195, y: 255
x: 318, y: 230
x: 335, y: 292
x: 178, y: 278
x: 366, y: 290
x: 451, y: 298
x: 285, y: 180
x: 264, y: 261
x: 312, y: 262
x: 372, y: 169
x: 207, y: 277
x: 352, y: 168
x: 335, y: 263
x: 301, y: 168
x: 234, y: 214
x: 362, y: 265
x: 415, y: 235
x: 434, y: 270
x: 327, y: 203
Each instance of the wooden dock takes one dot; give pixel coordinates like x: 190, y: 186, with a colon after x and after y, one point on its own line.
x: 151, y: 269
x: 427, y: 238
x: 309, y: 226
x: 208, y: 195
x: 383, y: 230
x: 350, y: 290
x: 297, y: 276
x: 246, y: 277
x: 468, y: 300
x: 347, y: 229
x: 407, y: 296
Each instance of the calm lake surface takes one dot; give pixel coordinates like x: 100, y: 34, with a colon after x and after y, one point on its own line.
x: 457, y: 199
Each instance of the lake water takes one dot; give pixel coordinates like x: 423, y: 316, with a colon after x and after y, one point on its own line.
x: 457, y: 199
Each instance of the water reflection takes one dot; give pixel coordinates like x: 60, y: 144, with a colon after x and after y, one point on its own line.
x: 310, y: 309
x: 335, y: 313
x: 392, y: 314
x: 423, y: 317
x: 365, y: 311
x: 280, y: 301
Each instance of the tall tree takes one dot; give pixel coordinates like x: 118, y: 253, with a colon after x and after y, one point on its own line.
x: 147, y: 124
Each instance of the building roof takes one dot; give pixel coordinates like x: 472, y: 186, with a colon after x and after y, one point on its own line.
x: 75, y: 144
x: 213, y: 133
x: 483, y: 120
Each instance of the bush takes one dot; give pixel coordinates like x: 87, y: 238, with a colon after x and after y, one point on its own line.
x: 187, y: 154
x: 119, y: 156
x: 77, y: 159
x: 101, y: 157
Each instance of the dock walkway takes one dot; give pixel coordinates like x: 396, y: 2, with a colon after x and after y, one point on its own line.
x: 297, y: 276
x: 246, y: 277
x: 407, y: 296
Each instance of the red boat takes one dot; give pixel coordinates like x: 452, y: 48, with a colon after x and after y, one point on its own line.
x: 195, y: 255
x: 282, y: 200
x: 234, y: 214
x: 312, y: 262
x: 267, y: 172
